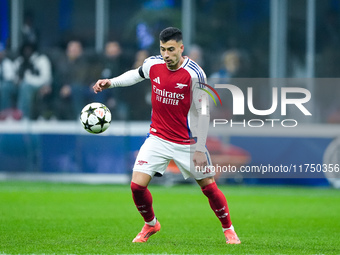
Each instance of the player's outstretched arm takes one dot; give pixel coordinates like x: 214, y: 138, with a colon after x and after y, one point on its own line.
x: 126, y: 79
x: 101, y: 85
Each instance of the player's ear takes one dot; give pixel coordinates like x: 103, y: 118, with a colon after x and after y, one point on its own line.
x: 182, y: 47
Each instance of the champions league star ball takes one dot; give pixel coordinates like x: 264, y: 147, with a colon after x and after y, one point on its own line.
x: 95, y: 117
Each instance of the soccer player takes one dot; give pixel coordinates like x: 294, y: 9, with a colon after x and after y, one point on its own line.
x: 177, y: 118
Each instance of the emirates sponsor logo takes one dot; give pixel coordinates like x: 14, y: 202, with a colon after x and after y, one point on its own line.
x: 168, y: 94
x: 167, y: 97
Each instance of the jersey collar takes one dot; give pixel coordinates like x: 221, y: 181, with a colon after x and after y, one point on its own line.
x: 186, y: 59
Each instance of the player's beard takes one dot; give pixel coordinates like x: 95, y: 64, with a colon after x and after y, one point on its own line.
x: 172, y: 64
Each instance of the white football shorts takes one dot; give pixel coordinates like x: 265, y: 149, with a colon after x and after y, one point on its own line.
x: 156, y: 153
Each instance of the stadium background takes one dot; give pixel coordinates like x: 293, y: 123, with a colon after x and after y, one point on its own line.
x: 270, y: 39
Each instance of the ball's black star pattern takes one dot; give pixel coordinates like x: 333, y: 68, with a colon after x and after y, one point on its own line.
x: 90, y: 111
x: 102, y: 121
x: 87, y: 126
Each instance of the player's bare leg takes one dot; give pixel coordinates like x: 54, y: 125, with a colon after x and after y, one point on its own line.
x: 218, y: 204
x: 140, y: 178
x: 143, y: 201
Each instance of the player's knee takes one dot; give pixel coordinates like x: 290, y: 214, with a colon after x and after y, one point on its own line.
x: 205, y: 182
x: 141, y: 178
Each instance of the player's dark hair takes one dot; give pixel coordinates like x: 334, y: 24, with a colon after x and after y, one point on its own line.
x: 171, y: 33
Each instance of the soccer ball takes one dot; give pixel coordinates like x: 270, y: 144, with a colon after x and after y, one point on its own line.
x: 95, y: 117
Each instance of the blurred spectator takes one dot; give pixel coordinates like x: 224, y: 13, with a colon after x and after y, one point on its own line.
x: 328, y: 30
x: 7, y: 74
x: 112, y: 60
x: 138, y: 97
x: 29, y: 33
x: 111, y: 64
x: 196, y: 54
x: 33, y: 76
x: 232, y: 66
x: 140, y: 56
x: 128, y: 103
x: 73, y: 81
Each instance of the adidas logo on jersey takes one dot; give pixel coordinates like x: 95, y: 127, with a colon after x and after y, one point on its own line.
x: 180, y: 85
x: 157, y: 80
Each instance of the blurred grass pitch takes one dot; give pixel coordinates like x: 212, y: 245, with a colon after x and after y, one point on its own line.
x: 49, y: 218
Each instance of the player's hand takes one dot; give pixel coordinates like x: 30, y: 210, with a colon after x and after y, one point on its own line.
x: 101, y: 85
x: 200, y: 159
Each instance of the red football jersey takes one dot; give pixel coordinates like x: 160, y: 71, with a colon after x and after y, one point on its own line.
x: 176, y: 98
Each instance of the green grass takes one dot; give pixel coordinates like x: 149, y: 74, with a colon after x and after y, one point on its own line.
x: 46, y: 218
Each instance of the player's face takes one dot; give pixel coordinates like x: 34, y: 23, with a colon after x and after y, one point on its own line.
x: 172, y: 53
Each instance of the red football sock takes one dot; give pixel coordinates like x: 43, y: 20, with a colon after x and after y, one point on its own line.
x: 143, y: 201
x: 218, y: 203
